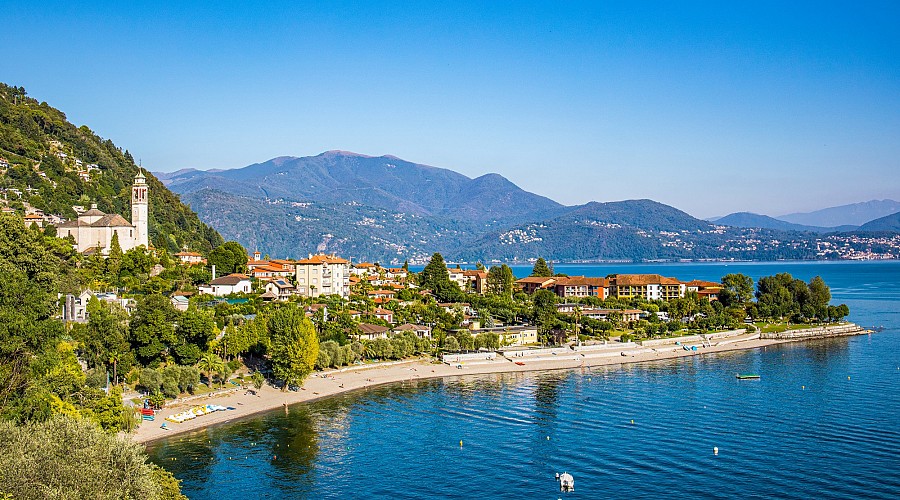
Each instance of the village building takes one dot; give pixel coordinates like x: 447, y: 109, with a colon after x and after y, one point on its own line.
x: 646, y: 286
x: 475, y: 281
x: 280, y: 289
x: 323, y: 275
x: 190, y: 258
x: 384, y: 314
x: 371, y: 332
x: 423, y: 332
x: 512, y: 335
x: 93, y: 230
x: 532, y: 284
x: 180, y: 302
x: 227, y: 285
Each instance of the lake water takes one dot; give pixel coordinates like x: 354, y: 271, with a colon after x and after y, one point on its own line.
x: 823, y: 421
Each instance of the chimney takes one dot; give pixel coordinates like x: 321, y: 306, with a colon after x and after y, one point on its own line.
x: 214, y: 271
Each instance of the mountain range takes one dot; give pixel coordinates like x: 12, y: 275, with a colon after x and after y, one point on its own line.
x: 389, y: 210
x: 854, y: 214
x: 749, y: 219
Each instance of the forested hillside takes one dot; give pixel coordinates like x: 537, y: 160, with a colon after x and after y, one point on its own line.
x: 52, y: 165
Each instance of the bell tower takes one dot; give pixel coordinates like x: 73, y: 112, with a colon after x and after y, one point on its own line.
x: 140, y: 210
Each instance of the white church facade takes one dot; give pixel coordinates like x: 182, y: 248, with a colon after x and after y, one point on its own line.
x: 93, y: 230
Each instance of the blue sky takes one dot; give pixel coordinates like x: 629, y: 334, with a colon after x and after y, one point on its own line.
x: 771, y: 107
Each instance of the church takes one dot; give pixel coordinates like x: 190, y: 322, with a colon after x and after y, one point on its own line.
x: 93, y: 230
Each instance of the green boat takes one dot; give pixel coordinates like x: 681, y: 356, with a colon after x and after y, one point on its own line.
x: 747, y: 376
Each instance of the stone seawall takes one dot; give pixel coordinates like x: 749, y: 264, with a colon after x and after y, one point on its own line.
x: 814, y: 333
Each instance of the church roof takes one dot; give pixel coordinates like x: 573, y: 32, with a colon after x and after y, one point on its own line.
x: 107, y: 220
x: 93, y: 212
x: 112, y: 220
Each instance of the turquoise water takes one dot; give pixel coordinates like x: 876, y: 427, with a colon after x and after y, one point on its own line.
x: 821, y: 422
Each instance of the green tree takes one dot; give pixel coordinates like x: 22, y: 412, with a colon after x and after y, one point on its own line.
x: 737, y: 289
x: 295, y: 345
x: 104, y: 337
x: 258, y: 380
x: 114, y: 261
x: 152, y: 329
x: 544, y: 310
x: 541, y: 269
x: 208, y: 364
x: 436, y: 278
x: 500, y: 280
x: 196, y: 329
x: 230, y: 257
x: 72, y: 458
x: 819, y: 297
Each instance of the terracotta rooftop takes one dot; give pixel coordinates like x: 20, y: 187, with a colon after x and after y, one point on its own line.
x: 644, y: 279
x: 367, y: 328
x: 323, y: 259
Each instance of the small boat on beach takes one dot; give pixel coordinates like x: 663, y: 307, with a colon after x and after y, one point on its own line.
x: 747, y: 376
x: 520, y: 363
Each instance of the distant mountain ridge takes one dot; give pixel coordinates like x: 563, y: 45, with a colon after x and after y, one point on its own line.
x: 384, y: 182
x: 389, y: 210
x: 750, y: 220
x: 854, y: 214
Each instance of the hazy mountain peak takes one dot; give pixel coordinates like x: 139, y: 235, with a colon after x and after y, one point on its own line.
x: 338, y: 152
x: 854, y: 214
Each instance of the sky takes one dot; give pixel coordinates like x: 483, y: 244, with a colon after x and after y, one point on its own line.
x: 711, y: 107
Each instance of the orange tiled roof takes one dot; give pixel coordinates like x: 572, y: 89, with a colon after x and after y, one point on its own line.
x: 323, y: 259
x: 644, y: 279
x: 540, y: 280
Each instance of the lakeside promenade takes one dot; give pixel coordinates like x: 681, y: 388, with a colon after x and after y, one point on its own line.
x: 359, y: 378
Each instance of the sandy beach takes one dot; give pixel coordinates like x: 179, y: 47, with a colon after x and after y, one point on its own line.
x: 330, y: 383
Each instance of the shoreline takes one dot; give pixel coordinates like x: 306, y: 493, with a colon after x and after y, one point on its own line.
x: 321, y: 385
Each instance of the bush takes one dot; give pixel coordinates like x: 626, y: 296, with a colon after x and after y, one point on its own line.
x: 150, y: 380
x: 73, y: 458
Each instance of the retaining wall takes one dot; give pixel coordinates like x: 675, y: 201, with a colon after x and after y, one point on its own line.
x: 811, y: 333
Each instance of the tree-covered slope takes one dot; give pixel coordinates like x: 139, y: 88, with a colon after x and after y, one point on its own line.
x: 890, y: 223
x: 638, y: 230
x: 53, y: 165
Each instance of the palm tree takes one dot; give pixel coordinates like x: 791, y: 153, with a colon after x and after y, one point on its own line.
x: 208, y: 364
x: 258, y: 381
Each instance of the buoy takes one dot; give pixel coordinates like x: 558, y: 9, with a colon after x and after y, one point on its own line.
x: 460, y: 443
x: 803, y: 387
x: 848, y: 377
x: 548, y: 438
x: 715, y: 450
x: 632, y: 422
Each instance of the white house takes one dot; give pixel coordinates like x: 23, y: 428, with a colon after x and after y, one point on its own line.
x: 419, y: 330
x: 227, y: 285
